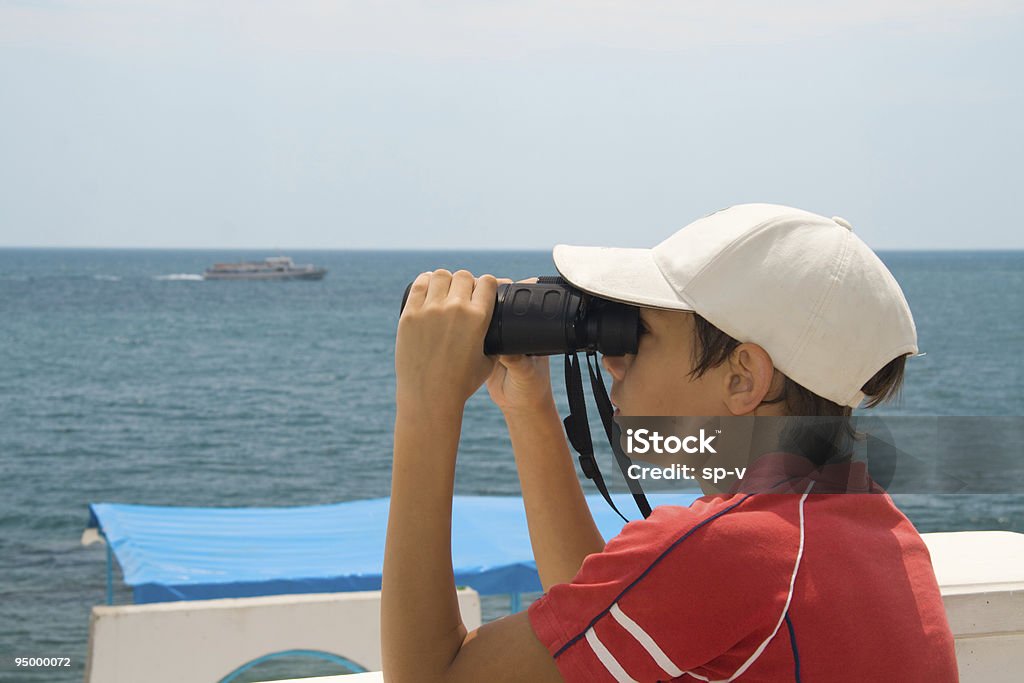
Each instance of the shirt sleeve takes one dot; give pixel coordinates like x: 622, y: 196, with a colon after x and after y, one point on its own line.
x: 686, y: 590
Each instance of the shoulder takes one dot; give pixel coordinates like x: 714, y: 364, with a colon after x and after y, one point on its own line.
x: 720, y: 555
x: 715, y: 529
x: 681, y: 587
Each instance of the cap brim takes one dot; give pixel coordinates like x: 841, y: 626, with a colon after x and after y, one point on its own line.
x: 621, y: 274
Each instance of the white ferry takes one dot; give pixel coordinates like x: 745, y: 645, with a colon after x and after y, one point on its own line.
x: 273, y: 268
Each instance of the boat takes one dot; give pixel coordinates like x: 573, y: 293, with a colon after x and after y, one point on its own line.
x: 272, y: 268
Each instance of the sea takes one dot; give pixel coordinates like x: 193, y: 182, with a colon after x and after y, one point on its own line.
x: 126, y: 378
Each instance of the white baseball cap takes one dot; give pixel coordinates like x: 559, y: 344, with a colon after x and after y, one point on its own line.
x: 803, y: 287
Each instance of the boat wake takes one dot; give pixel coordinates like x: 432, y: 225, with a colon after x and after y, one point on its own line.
x: 190, y: 277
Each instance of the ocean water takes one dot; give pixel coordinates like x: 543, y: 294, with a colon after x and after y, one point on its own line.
x: 126, y: 378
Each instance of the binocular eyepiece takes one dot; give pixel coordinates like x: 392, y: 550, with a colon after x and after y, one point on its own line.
x: 553, y: 317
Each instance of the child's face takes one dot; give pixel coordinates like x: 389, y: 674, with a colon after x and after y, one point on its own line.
x: 656, y: 380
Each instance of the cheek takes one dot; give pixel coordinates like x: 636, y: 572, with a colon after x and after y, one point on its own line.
x: 655, y: 381
x: 661, y: 384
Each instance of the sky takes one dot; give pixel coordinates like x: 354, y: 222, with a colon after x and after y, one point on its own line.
x: 309, y: 124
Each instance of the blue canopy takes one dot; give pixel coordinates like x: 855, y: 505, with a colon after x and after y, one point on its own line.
x: 182, y: 553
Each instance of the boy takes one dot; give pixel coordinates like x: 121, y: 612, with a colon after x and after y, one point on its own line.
x: 758, y: 310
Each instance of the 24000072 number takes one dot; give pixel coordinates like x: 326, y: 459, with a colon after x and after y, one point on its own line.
x: 42, y: 661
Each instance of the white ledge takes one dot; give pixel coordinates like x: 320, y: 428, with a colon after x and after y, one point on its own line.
x: 981, y: 577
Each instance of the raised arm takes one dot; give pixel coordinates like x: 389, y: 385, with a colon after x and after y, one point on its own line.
x: 562, y: 529
x: 439, y: 363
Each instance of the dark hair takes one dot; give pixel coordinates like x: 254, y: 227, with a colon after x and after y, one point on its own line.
x: 819, y: 442
x: 714, y: 347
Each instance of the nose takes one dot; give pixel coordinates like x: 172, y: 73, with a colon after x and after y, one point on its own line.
x: 615, y: 365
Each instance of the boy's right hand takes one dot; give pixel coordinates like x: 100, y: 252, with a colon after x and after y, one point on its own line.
x: 521, y: 383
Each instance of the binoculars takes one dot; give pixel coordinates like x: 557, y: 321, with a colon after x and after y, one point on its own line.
x: 552, y: 317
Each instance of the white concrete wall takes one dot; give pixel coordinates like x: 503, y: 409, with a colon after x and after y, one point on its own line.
x: 202, y: 641
x: 981, y: 574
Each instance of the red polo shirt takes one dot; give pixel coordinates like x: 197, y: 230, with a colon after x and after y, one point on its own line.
x: 755, y: 587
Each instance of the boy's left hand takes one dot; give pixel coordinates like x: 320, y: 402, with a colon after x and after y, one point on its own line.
x: 439, y: 351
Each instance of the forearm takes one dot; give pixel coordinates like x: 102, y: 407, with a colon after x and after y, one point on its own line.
x: 562, y: 529
x: 421, y: 628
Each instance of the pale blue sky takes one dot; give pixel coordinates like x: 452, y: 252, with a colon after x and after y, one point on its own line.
x: 402, y: 124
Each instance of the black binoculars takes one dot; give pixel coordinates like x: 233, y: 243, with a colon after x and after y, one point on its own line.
x: 553, y: 317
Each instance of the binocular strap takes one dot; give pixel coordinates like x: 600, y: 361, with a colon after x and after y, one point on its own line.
x: 577, y: 429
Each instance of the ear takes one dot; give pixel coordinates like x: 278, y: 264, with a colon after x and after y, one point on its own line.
x: 749, y: 379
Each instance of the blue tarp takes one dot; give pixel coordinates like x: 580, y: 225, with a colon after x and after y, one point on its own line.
x: 182, y: 553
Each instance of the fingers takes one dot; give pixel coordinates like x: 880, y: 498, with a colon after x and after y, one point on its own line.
x: 516, y: 363
x: 418, y: 291
x: 485, y: 291
x: 522, y: 359
x: 438, y: 287
x: 462, y: 285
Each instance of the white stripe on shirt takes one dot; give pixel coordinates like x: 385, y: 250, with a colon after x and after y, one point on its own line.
x: 785, y: 610
x: 606, y: 657
x: 642, y: 637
